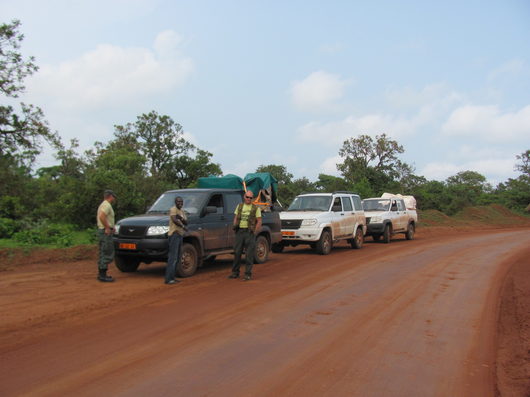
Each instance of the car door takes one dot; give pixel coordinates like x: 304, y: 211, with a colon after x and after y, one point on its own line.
x: 402, y: 214
x: 214, y: 224
x: 337, y: 217
x: 360, y: 217
x: 348, y: 221
x: 232, y: 200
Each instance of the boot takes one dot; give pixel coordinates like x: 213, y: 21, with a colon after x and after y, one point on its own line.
x: 102, y: 276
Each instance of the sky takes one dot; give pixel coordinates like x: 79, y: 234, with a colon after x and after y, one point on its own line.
x: 287, y: 82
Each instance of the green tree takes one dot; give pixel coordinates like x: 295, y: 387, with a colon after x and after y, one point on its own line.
x: 374, y: 160
x: 524, y: 166
x: 186, y: 169
x: 296, y: 187
x: 515, y: 193
x: 465, y: 189
x: 330, y: 183
x: 22, y: 130
x: 160, y: 140
x: 284, y: 178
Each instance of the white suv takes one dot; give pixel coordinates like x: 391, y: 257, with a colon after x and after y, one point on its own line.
x: 320, y: 219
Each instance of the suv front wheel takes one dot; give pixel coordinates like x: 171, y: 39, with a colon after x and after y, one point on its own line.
x: 189, y: 261
x: 325, y: 243
x: 126, y: 264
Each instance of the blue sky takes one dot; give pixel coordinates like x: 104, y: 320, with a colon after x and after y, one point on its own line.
x: 286, y: 82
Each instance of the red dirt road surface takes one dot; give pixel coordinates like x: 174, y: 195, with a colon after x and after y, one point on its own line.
x: 409, y: 318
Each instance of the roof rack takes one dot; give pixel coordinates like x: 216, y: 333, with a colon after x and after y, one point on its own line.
x: 344, y: 191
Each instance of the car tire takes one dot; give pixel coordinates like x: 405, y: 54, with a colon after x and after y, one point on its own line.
x: 409, y: 235
x: 277, y: 247
x: 261, y: 253
x: 189, y: 261
x: 358, y: 239
x: 386, y: 234
x: 126, y: 264
x: 325, y: 243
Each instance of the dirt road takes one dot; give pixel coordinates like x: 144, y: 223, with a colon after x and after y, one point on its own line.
x: 410, y: 318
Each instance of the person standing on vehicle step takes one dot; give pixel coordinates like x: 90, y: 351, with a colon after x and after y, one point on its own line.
x: 105, y: 221
x: 177, y: 227
x: 247, y: 223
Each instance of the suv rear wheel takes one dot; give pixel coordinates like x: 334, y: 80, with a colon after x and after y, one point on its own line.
x: 410, y: 232
x: 357, y: 240
x: 262, y: 249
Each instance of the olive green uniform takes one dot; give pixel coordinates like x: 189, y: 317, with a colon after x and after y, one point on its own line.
x: 106, y: 245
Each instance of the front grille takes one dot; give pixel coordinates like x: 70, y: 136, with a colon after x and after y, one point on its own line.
x: 132, y: 231
x: 291, y: 223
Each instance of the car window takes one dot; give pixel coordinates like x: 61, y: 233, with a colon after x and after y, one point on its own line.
x: 337, y: 206
x: 217, y: 201
x: 401, y: 207
x: 346, y: 204
x: 357, y: 203
x: 232, y: 200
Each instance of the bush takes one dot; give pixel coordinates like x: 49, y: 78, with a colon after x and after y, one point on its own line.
x: 46, y: 233
x: 7, y: 227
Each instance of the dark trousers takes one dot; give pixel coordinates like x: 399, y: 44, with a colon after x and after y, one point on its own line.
x: 106, y: 249
x: 245, y: 239
x: 174, y: 255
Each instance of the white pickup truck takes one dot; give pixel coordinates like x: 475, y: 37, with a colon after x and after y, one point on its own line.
x: 320, y: 219
x: 390, y: 214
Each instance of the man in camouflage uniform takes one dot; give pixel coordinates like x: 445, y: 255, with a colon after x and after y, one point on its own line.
x: 105, y: 220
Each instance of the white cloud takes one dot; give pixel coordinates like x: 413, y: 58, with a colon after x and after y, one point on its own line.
x: 497, y: 170
x: 337, y: 132
x: 318, y: 91
x: 111, y: 75
x: 329, y: 165
x: 412, y: 111
x: 488, y: 123
x: 508, y: 70
x: 436, y: 95
x: 188, y: 136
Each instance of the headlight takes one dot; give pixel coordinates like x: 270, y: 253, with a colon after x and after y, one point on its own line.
x: 309, y: 222
x: 157, y: 230
x: 116, y: 229
x: 376, y: 219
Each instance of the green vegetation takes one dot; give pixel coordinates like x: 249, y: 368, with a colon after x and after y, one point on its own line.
x: 54, y: 206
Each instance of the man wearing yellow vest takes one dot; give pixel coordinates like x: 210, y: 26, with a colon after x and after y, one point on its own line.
x: 247, y: 223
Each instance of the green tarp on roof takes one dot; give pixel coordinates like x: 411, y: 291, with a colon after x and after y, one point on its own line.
x: 229, y: 181
x: 254, y: 181
x: 262, y: 180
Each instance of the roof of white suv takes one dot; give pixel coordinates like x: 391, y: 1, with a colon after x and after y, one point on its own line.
x: 328, y: 194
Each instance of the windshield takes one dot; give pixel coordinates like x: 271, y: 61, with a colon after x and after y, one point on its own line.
x: 310, y: 203
x: 376, y: 205
x: 192, y: 202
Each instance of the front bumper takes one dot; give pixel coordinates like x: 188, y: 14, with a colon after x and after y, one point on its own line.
x: 310, y: 234
x: 375, y: 228
x: 152, y: 248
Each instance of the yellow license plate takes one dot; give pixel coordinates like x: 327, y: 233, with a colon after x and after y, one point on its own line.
x: 126, y: 246
x: 287, y: 233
